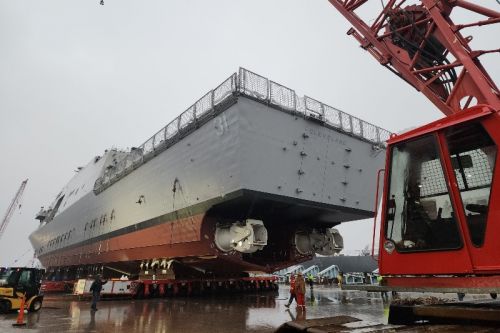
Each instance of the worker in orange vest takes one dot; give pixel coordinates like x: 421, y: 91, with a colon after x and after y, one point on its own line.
x: 300, y: 290
x: 292, y: 291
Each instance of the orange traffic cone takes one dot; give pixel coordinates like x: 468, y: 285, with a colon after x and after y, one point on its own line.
x: 20, y: 316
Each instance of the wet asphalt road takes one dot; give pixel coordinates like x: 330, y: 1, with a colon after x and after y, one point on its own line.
x: 227, y: 313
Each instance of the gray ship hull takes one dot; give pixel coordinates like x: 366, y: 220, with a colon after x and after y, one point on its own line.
x: 244, y: 160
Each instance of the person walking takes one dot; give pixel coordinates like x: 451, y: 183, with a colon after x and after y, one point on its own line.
x: 310, y: 280
x: 340, y: 278
x: 383, y: 293
x: 300, y: 290
x: 292, y: 291
x: 96, y: 288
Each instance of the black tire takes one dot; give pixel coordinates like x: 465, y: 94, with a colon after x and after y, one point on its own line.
x: 140, y: 292
x: 36, y: 304
x: 68, y: 288
x: 5, y: 306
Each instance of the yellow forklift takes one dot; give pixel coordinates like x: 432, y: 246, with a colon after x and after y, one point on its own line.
x: 19, y: 282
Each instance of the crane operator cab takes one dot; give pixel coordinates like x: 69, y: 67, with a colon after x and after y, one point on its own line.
x: 16, y: 282
x: 438, y: 216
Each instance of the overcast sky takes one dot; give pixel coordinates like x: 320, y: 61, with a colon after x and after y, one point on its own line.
x: 77, y: 78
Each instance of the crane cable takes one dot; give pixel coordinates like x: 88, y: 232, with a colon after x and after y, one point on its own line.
x: 20, y: 257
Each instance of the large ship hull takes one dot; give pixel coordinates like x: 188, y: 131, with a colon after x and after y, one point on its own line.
x: 245, y: 160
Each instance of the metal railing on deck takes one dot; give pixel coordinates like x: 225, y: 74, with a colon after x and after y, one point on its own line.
x: 254, y: 86
x: 261, y: 88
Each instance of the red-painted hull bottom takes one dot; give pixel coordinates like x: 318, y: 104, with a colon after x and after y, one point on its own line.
x: 178, y: 238
x: 188, y: 240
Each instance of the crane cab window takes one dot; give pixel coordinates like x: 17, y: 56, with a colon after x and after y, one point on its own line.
x: 420, y: 215
x: 473, y: 156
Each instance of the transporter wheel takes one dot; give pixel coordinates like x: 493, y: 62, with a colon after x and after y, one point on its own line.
x: 36, y: 304
x: 139, y: 292
x: 68, y: 288
x: 5, y: 306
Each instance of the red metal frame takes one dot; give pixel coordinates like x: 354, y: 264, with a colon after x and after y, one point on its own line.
x: 191, y: 285
x: 454, y: 283
x: 470, y: 262
x: 259, y: 282
x: 57, y: 286
x: 419, y: 42
x: 401, y: 26
x: 376, y: 212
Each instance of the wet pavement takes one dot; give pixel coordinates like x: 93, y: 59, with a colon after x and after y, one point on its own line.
x: 224, y: 313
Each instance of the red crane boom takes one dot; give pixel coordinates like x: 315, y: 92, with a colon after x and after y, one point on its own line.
x: 421, y: 44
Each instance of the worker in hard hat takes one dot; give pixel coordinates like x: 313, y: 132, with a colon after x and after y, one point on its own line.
x: 340, y: 278
x: 292, y: 291
x: 383, y: 293
x: 95, y: 289
x: 310, y: 280
x: 300, y: 290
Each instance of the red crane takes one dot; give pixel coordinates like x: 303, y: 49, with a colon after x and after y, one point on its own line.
x: 441, y: 200
x: 12, y: 207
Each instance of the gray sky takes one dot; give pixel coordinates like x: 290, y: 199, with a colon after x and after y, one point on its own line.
x: 77, y: 78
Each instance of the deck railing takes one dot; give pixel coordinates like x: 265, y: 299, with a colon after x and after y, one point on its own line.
x: 259, y: 87
x: 254, y: 86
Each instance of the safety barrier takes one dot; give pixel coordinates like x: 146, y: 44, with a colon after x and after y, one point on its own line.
x: 251, y: 85
x: 259, y: 87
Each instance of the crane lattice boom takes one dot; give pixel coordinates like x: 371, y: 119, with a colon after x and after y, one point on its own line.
x: 419, y: 42
x: 12, y: 207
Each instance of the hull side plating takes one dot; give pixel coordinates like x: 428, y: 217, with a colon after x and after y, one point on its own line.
x: 248, y: 161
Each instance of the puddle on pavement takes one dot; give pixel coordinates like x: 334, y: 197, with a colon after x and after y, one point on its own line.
x: 228, y: 313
